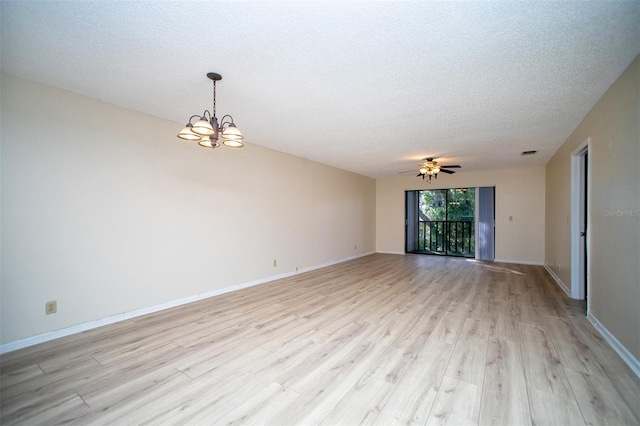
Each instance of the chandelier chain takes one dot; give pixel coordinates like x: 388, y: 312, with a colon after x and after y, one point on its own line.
x: 214, y: 98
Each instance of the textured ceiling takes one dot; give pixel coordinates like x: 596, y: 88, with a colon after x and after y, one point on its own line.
x: 370, y: 87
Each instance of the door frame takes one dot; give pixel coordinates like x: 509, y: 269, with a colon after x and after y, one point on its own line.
x: 580, y: 177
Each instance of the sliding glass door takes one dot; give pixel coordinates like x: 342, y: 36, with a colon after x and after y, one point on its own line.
x: 454, y: 222
x: 441, y: 221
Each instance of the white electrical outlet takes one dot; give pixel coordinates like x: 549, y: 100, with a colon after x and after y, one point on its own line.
x: 51, y: 307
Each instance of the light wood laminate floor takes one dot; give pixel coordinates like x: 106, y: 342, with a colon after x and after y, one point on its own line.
x: 384, y: 339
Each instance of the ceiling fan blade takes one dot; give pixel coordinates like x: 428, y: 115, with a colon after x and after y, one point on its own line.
x: 419, y: 174
x: 407, y: 171
x: 447, y: 171
x: 455, y: 166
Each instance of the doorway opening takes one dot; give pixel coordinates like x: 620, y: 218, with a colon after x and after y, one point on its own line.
x: 579, y: 223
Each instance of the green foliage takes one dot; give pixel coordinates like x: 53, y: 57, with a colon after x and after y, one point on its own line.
x: 461, y: 204
x: 455, y: 205
x: 448, y: 204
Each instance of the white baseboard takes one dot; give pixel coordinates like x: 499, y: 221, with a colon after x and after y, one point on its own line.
x: 391, y: 252
x: 558, y: 280
x: 45, y: 337
x: 626, y: 356
x: 519, y: 262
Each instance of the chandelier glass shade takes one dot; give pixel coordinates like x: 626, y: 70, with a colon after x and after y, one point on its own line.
x: 206, y: 130
x: 207, y: 142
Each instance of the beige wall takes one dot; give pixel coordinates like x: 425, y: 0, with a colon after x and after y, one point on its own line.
x: 614, y: 225
x: 519, y: 193
x: 106, y: 211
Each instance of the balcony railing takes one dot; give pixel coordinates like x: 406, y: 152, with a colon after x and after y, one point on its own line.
x: 447, y: 237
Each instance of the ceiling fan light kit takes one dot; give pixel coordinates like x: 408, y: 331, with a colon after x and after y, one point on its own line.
x: 431, y: 168
x: 206, y: 130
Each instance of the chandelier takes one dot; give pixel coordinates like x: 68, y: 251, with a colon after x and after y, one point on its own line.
x: 207, y: 130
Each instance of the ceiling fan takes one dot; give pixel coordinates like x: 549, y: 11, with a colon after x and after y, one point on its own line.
x: 430, y: 168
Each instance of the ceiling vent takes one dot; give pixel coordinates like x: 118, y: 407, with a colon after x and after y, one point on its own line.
x: 529, y: 152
